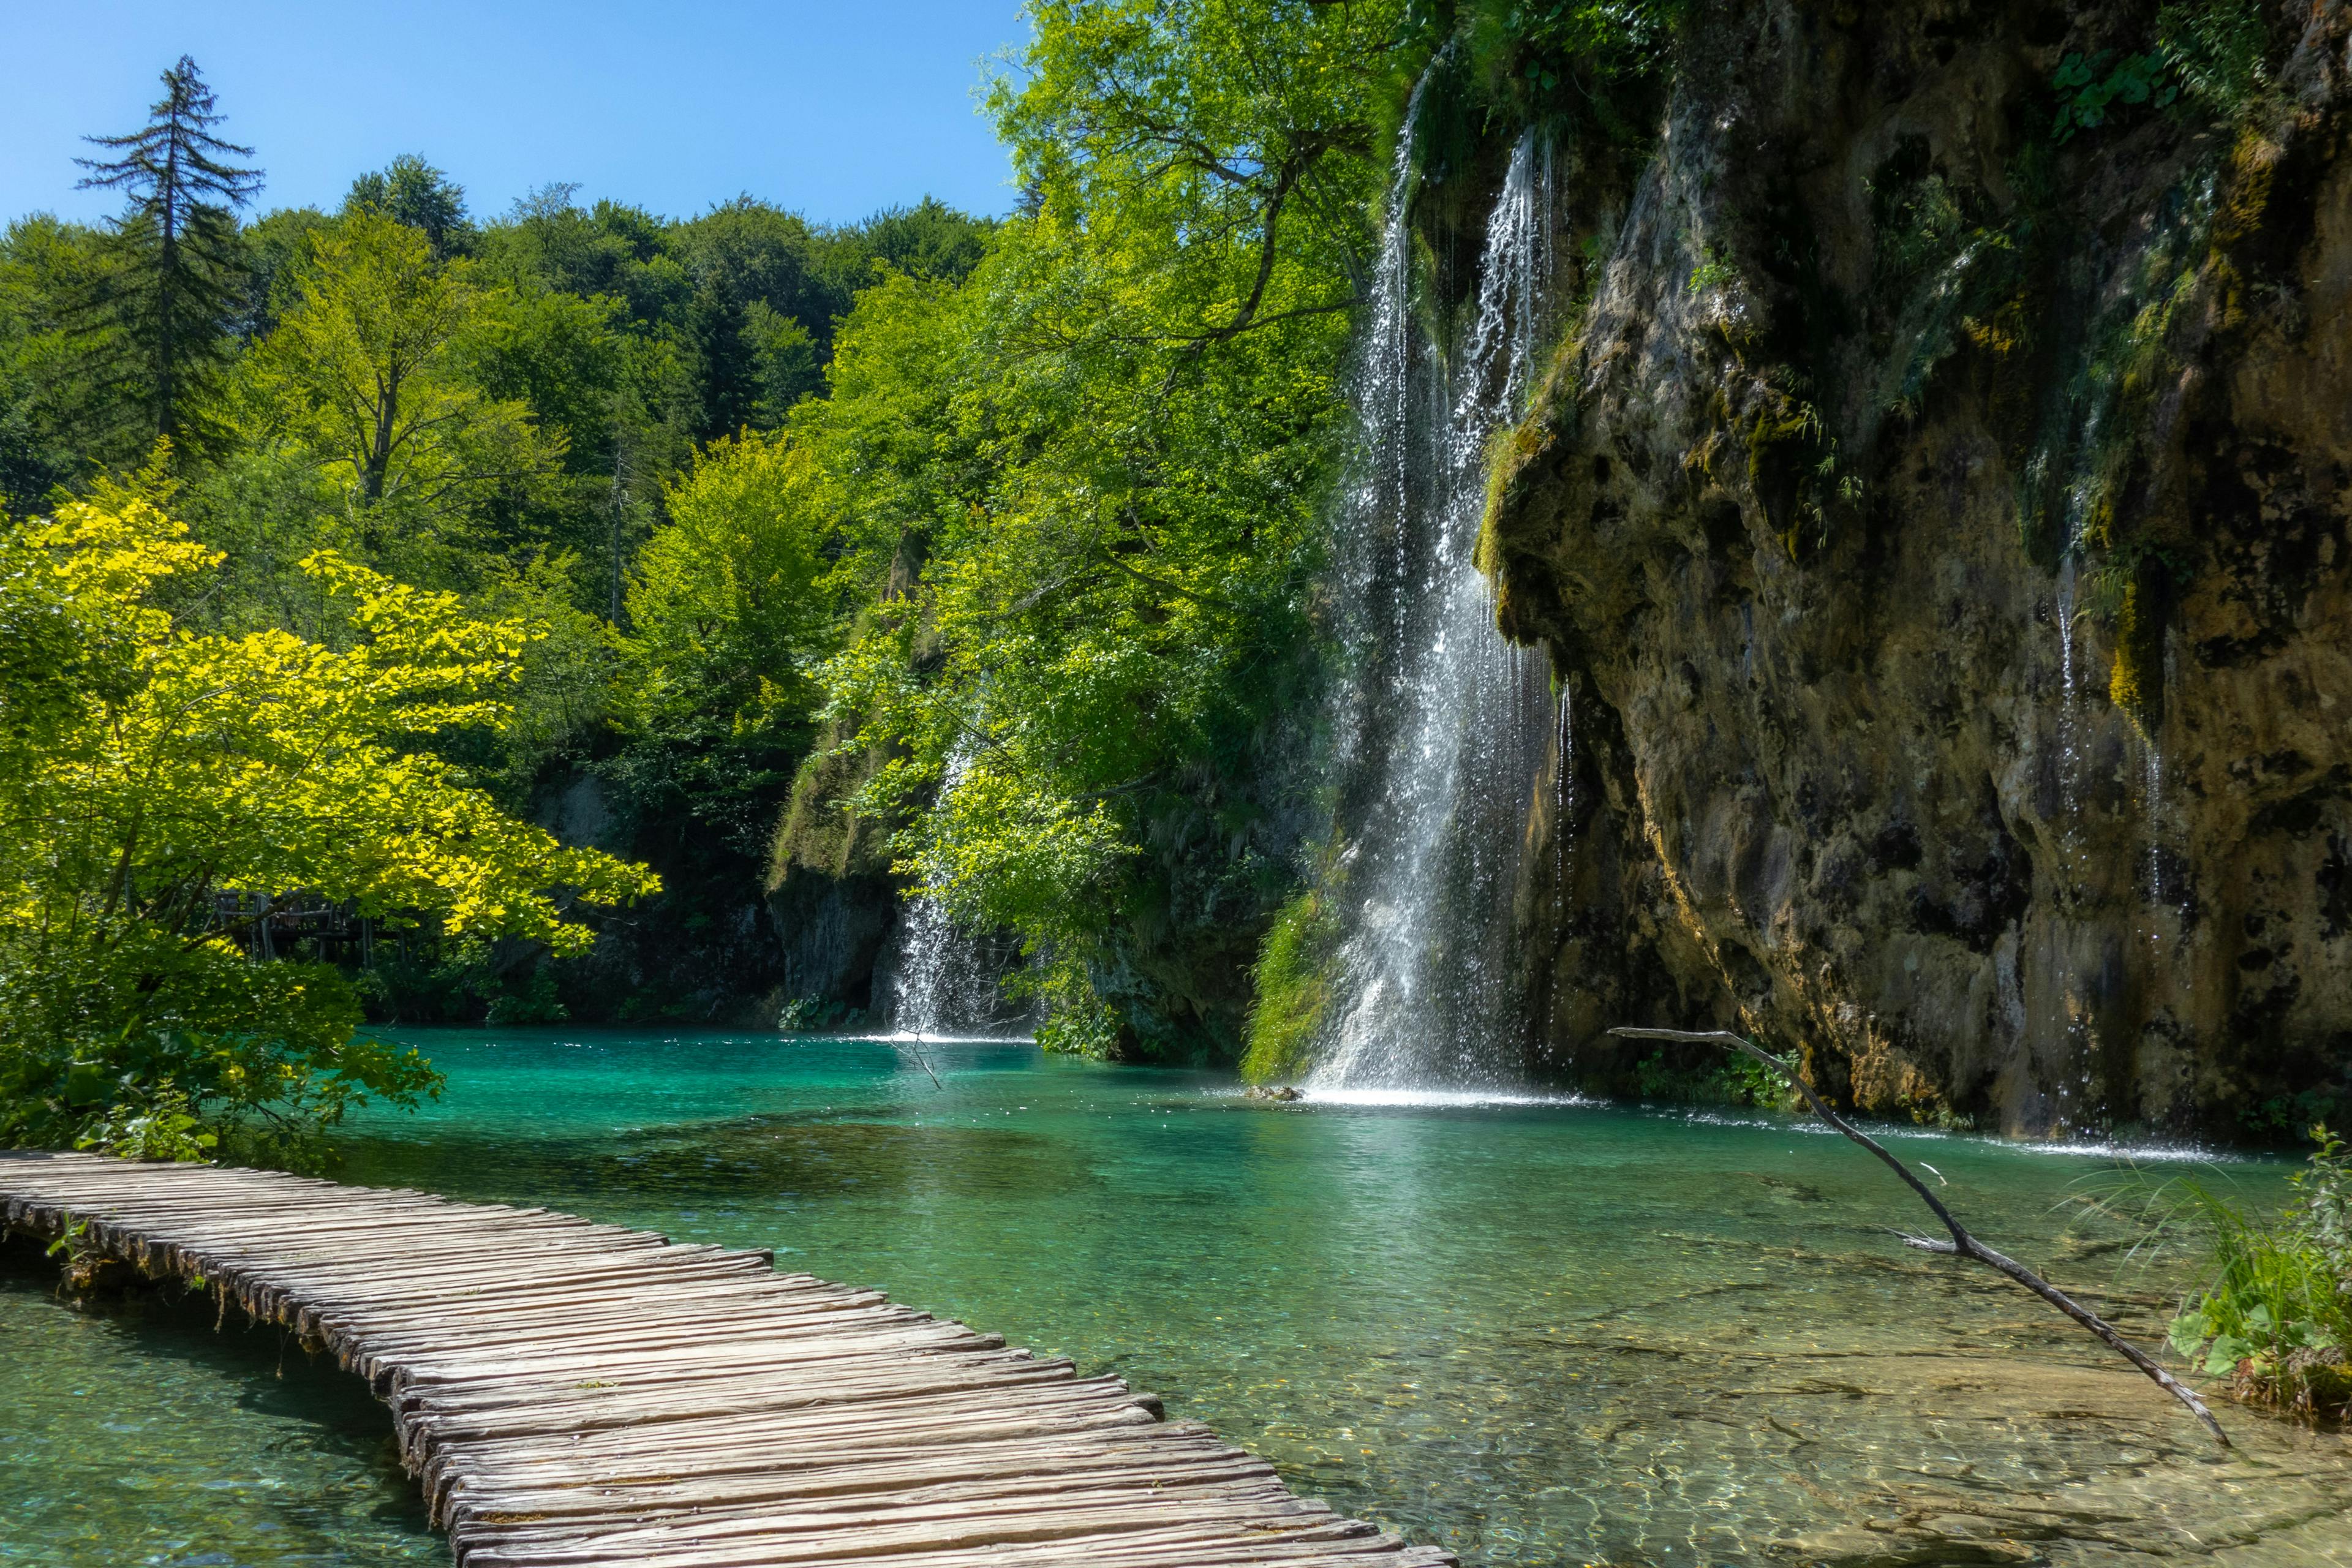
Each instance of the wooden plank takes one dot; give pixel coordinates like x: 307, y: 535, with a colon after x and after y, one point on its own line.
x: 575, y: 1395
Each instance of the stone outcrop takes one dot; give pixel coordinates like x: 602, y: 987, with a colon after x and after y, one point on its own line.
x: 830, y: 890
x: 1940, y: 528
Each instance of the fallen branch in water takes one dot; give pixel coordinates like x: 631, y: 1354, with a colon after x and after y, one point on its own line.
x: 1962, y: 1244
x: 915, y: 1045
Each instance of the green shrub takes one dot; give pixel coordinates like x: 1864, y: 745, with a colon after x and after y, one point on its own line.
x: 2208, y: 52
x: 2276, y: 1319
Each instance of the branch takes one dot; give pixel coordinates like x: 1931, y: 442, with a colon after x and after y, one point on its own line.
x: 915, y: 1045
x: 1962, y: 1244
x: 1149, y: 581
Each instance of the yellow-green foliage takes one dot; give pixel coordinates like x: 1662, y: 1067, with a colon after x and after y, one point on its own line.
x: 2128, y: 684
x: 160, y: 787
x: 1509, y: 454
x: 372, y: 376
x: 730, y: 595
x: 1293, y: 990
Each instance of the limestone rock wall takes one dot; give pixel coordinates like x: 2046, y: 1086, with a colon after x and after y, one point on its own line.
x: 1940, y: 530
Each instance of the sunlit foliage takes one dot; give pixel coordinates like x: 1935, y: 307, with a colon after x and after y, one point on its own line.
x: 160, y: 788
x: 1111, y: 453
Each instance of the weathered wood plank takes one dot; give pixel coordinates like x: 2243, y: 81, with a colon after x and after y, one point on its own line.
x: 575, y: 1395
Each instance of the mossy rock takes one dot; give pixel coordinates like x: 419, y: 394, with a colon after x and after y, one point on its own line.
x: 1295, y: 987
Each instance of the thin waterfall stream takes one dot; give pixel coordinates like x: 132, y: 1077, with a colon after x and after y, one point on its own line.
x: 1446, y: 727
x: 944, y: 980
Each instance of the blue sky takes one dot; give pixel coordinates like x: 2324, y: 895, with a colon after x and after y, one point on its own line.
x: 833, y: 110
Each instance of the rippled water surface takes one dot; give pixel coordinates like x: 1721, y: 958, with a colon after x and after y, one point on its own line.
x: 1535, y: 1332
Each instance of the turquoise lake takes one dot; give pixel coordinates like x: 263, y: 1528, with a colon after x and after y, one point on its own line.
x: 1531, y: 1331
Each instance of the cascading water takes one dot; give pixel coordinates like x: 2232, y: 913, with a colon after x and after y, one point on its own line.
x: 2069, y: 760
x: 1563, y: 798
x: 1443, y: 730
x: 945, y: 982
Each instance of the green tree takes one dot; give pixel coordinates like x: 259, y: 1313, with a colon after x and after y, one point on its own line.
x: 163, y: 312
x: 748, y: 318
x: 277, y: 249
x: 930, y: 239
x: 410, y: 191
x: 164, y: 790
x: 731, y: 606
x: 1132, y: 429
x: 375, y: 373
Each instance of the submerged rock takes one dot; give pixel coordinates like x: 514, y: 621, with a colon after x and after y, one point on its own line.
x: 1271, y: 1091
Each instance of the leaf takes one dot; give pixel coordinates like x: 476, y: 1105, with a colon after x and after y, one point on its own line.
x: 86, y: 1084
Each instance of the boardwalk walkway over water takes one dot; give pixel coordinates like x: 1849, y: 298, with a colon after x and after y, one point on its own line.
x: 575, y: 1393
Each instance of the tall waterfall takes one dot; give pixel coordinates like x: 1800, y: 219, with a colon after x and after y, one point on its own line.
x: 1445, y: 725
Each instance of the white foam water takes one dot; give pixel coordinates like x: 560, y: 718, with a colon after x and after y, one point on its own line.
x: 1445, y: 725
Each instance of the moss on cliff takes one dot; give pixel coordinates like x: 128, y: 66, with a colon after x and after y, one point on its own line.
x: 1294, y: 986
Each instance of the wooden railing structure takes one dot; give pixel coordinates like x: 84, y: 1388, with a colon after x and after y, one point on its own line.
x: 574, y: 1393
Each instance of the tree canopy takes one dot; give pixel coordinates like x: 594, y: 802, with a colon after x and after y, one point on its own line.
x: 163, y: 789
x: 999, y: 535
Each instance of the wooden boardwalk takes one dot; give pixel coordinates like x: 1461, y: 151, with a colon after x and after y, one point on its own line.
x: 574, y: 1393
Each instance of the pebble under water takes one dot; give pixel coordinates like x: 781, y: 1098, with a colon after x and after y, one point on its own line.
x: 1534, y: 1331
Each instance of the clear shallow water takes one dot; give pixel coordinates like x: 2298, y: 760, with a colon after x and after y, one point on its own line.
x: 1535, y: 1333
x: 140, y: 1434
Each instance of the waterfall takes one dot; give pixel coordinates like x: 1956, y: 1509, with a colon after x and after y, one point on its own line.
x: 1444, y: 725
x: 944, y: 981
x: 2069, y: 748
x: 1563, y: 798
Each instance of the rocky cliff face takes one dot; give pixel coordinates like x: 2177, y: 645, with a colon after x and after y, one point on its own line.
x: 831, y: 892
x: 1940, y: 528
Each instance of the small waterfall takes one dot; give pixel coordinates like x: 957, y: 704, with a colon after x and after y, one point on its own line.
x: 2070, y: 760
x: 1443, y: 727
x: 1563, y: 797
x: 945, y: 982
x: 2082, y: 493
x: 2168, y: 893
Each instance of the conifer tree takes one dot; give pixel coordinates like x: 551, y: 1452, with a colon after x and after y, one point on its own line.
x: 163, y: 310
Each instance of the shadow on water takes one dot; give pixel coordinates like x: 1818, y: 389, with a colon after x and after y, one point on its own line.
x: 142, y: 1429
x: 770, y: 1157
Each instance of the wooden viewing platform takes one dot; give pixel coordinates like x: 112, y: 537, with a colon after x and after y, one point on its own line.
x: 575, y: 1393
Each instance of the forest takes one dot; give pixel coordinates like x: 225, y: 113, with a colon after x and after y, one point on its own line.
x: 730, y: 501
